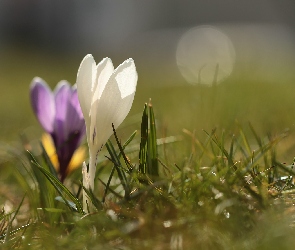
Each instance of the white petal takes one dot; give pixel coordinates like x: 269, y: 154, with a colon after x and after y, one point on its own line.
x: 85, y: 83
x: 111, y: 107
x: 126, y: 77
x: 103, y: 72
x: 105, y: 108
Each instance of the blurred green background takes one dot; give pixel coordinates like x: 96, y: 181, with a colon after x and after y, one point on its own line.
x: 37, y: 38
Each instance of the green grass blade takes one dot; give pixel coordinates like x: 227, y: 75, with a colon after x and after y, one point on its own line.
x: 46, y: 191
x: 11, y: 221
x: 48, y: 161
x: 153, y: 168
x: 108, y: 185
x: 68, y: 203
x: 245, y: 141
x: 110, y: 190
x: 119, y: 155
x: 143, y: 142
x: 231, y: 150
x: 59, y: 187
x: 131, y: 137
x: 121, y: 172
x: 220, y: 146
x: 93, y: 199
x: 129, y: 166
x: 259, y: 142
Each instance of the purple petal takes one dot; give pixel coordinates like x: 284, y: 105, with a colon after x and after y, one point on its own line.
x: 66, y: 151
x: 75, y: 103
x: 63, y: 95
x: 74, y: 121
x: 69, y: 127
x: 42, y: 101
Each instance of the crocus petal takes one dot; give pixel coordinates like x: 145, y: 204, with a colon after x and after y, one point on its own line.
x: 109, y: 112
x: 103, y: 72
x: 43, y: 104
x: 74, y: 114
x: 69, y: 126
x: 91, y: 81
x: 48, y: 145
x: 75, y: 102
x: 85, y: 84
x: 113, y: 105
x: 74, y: 119
x: 126, y: 77
x: 77, y: 159
x: 62, y: 94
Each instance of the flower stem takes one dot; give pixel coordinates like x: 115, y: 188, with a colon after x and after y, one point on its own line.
x: 88, y: 182
x: 91, y: 170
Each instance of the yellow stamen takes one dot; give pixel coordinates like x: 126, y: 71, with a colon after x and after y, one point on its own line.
x: 77, y: 158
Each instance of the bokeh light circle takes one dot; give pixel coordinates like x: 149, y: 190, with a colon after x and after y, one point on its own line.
x: 205, y: 55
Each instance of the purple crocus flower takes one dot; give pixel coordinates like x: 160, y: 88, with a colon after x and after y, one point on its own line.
x: 60, y: 115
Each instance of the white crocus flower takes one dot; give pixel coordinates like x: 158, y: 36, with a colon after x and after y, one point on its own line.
x: 105, y: 95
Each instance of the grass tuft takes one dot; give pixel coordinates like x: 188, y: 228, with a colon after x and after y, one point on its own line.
x: 228, y: 191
